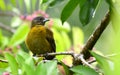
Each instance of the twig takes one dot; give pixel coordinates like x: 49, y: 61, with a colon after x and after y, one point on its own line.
x: 85, y: 62
x: 92, y: 61
x: 9, y: 29
x: 59, y: 53
x: 5, y: 61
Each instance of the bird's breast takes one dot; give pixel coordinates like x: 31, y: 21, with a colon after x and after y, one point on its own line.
x: 36, y: 40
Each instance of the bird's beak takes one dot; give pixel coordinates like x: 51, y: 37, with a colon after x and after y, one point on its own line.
x: 46, y: 19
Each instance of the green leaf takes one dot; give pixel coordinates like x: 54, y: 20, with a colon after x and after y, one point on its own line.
x: 53, y: 3
x: 28, y: 69
x: 106, y: 64
x: 68, y: 9
x: 102, y: 60
x: 12, y: 62
x: 26, y: 63
x: 84, y: 13
x: 48, y: 68
x: 3, y: 40
x: 83, y: 70
x: 29, y: 66
x: 24, y: 54
x: 3, y: 64
x: 66, y: 68
x: 20, y: 60
x: 41, y: 69
x: 2, y: 4
x: 87, y: 9
x: 110, y: 2
x: 19, y: 35
x: 44, y: 1
x: 57, y: 24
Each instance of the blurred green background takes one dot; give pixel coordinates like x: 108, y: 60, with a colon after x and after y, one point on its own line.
x: 15, y: 20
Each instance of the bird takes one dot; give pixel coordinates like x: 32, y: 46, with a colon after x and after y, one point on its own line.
x: 40, y: 39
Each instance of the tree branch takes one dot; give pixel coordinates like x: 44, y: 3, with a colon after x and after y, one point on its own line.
x: 11, y: 14
x: 9, y: 29
x: 92, y: 40
x: 95, y: 36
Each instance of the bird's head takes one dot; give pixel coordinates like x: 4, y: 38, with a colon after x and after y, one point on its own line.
x: 39, y: 21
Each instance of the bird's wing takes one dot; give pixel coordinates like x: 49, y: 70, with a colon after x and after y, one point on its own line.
x: 50, y: 39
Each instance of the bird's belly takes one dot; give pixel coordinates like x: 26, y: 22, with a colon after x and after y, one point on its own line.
x: 38, y: 45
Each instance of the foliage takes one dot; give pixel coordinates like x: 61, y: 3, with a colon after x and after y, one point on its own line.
x: 67, y: 37
x: 86, y: 13
x: 83, y: 70
x: 24, y: 64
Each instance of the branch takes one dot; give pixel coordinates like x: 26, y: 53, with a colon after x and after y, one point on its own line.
x: 85, y: 62
x: 92, y: 40
x: 11, y: 14
x: 95, y: 36
x: 59, y: 53
x: 9, y: 29
x: 5, y: 61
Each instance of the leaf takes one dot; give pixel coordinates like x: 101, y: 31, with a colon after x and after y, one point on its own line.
x: 52, y: 70
x: 26, y: 63
x: 28, y: 69
x: 41, y: 69
x: 68, y: 9
x: 83, y: 70
x: 3, y: 64
x: 19, y: 35
x: 110, y: 3
x: 29, y: 66
x: 53, y: 3
x: 84, y: 13
x: 12, y: 62
x: 22, y: 56
x: 87, y: 10
x: 3, y: 40
x: 58, y: 25
x: 2, y: 4
x: 48, y: 68
x: 20, y: 60
x: 67, y: 71
x: 104, y: 63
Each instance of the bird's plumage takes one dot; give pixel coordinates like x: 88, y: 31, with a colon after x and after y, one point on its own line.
x: 40, y: 39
